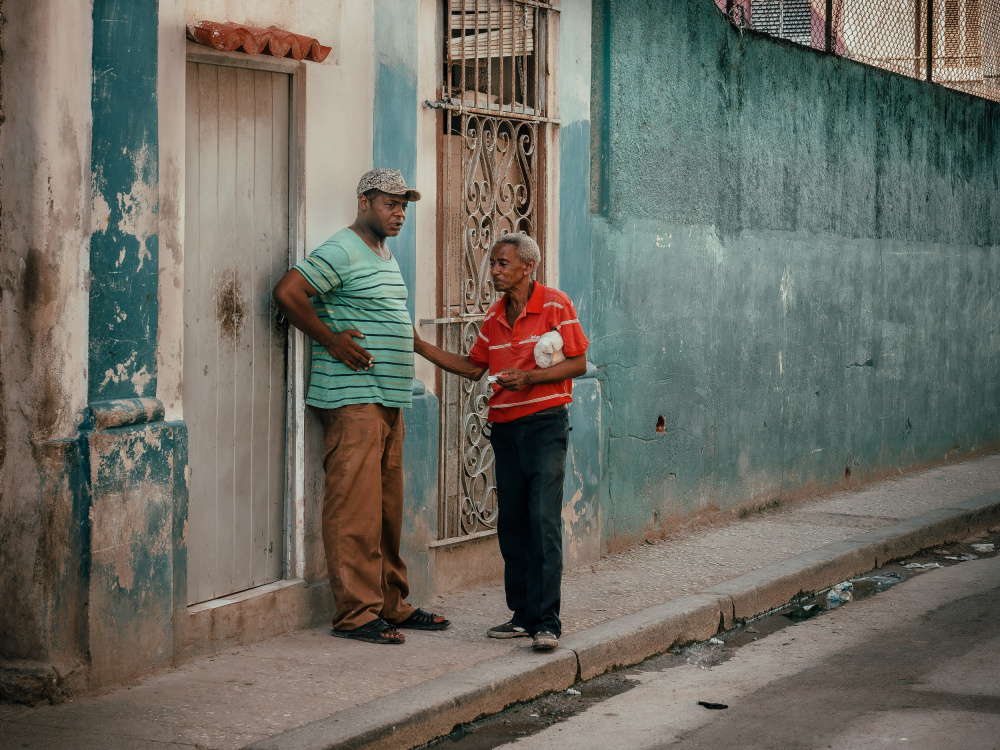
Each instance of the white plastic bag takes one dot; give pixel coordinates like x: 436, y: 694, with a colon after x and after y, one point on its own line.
x: 548, y: 350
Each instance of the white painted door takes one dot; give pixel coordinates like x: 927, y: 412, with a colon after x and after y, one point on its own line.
x: 236, y: 248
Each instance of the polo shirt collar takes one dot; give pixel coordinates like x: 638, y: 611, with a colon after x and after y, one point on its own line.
x: 536, y: 303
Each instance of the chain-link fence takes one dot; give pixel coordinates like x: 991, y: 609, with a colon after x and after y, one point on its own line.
x: 964, y: 48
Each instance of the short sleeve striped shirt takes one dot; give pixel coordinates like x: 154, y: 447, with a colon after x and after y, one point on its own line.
x: 358, y: 289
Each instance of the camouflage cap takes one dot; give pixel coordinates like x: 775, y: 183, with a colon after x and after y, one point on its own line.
x: 388, y: 181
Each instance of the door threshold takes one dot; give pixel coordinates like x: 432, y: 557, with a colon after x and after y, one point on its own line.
x: 242, y: 596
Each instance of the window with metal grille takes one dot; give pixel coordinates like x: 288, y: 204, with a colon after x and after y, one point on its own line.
x: 788, y: 19
x: 495, y: 89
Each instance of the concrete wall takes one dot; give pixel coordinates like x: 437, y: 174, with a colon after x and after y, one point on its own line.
x: 795, y: 263
x: 89, y: 496
x: 44, y: 230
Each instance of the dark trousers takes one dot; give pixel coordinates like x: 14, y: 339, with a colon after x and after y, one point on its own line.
x: 530, y: 465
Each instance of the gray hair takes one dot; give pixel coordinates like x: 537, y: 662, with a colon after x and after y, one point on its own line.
x: 525, y: 246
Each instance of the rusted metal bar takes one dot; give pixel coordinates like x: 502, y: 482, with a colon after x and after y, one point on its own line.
x: 451, y: 105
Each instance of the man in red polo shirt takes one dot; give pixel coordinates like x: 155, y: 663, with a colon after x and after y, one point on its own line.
x: 530, y: 430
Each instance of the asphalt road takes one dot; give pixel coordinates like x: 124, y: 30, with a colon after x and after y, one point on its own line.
x: 915, y: 667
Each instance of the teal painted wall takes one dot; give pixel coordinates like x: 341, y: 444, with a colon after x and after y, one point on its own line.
x: 420, y: 480
x: 795, y: 262
x: 395, y: 121
x: 581, y: 486
x: 574, y: 81
x: 124, y: 250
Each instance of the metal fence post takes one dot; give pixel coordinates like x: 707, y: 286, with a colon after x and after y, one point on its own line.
x: 829, y: 26
x: 930, y: 40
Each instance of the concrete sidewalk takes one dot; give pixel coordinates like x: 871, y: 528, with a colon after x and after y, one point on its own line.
x: 309, y: 690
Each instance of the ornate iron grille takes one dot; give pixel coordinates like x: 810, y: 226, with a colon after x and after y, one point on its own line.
x: 491, y: 158
x: 963, y: 52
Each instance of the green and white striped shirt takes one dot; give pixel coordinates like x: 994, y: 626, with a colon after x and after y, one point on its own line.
x: 359, y: 289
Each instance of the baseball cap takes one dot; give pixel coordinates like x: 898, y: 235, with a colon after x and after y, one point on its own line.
x: 388, y: 181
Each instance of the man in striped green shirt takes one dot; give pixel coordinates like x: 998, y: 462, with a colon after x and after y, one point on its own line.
x: 349, y: 297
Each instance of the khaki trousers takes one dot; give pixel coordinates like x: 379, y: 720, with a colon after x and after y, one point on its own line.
x: 363, y: 513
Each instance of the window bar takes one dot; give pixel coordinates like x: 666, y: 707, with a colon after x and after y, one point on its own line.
x: 526, y: 55
x: 519, y: 25
x: 503, y: 66
x: 489, y: 53
x: 464, y: 58
x: 513, y: 57
x: 475, y: 50
x: 541, y: 61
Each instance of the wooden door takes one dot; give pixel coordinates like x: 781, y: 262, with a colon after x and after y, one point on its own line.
x: 236, y: 248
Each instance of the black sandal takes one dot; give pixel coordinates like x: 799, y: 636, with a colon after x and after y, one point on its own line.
x: 420, y: 620
x: 376, y: 631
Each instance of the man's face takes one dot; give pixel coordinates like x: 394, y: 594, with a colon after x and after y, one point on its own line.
x: 386, y: 213
x: 506, y: 269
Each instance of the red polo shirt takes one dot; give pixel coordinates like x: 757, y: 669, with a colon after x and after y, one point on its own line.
x: 500, y: 347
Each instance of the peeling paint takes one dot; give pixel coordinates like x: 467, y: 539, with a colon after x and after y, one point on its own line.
x: 140, y: 380
x: 138, y: 207
x: 786, y: 290
x: 100, y: 211
x: 120, y: 371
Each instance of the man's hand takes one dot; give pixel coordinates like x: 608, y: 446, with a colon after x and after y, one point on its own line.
x: 514, y: 380
x: 347, y: 350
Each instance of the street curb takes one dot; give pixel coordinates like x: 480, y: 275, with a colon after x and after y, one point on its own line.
x: 631, y: 639
x: 420, y: 713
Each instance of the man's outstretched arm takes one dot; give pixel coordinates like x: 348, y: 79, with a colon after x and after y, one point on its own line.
x: 456, y: 363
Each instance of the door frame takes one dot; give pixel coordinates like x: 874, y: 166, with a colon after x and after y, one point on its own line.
x: 293, y: 564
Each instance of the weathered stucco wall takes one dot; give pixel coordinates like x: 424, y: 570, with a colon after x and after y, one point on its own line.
x: 795, y: 262
x: 44, y: 227
x: 92, y: 477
